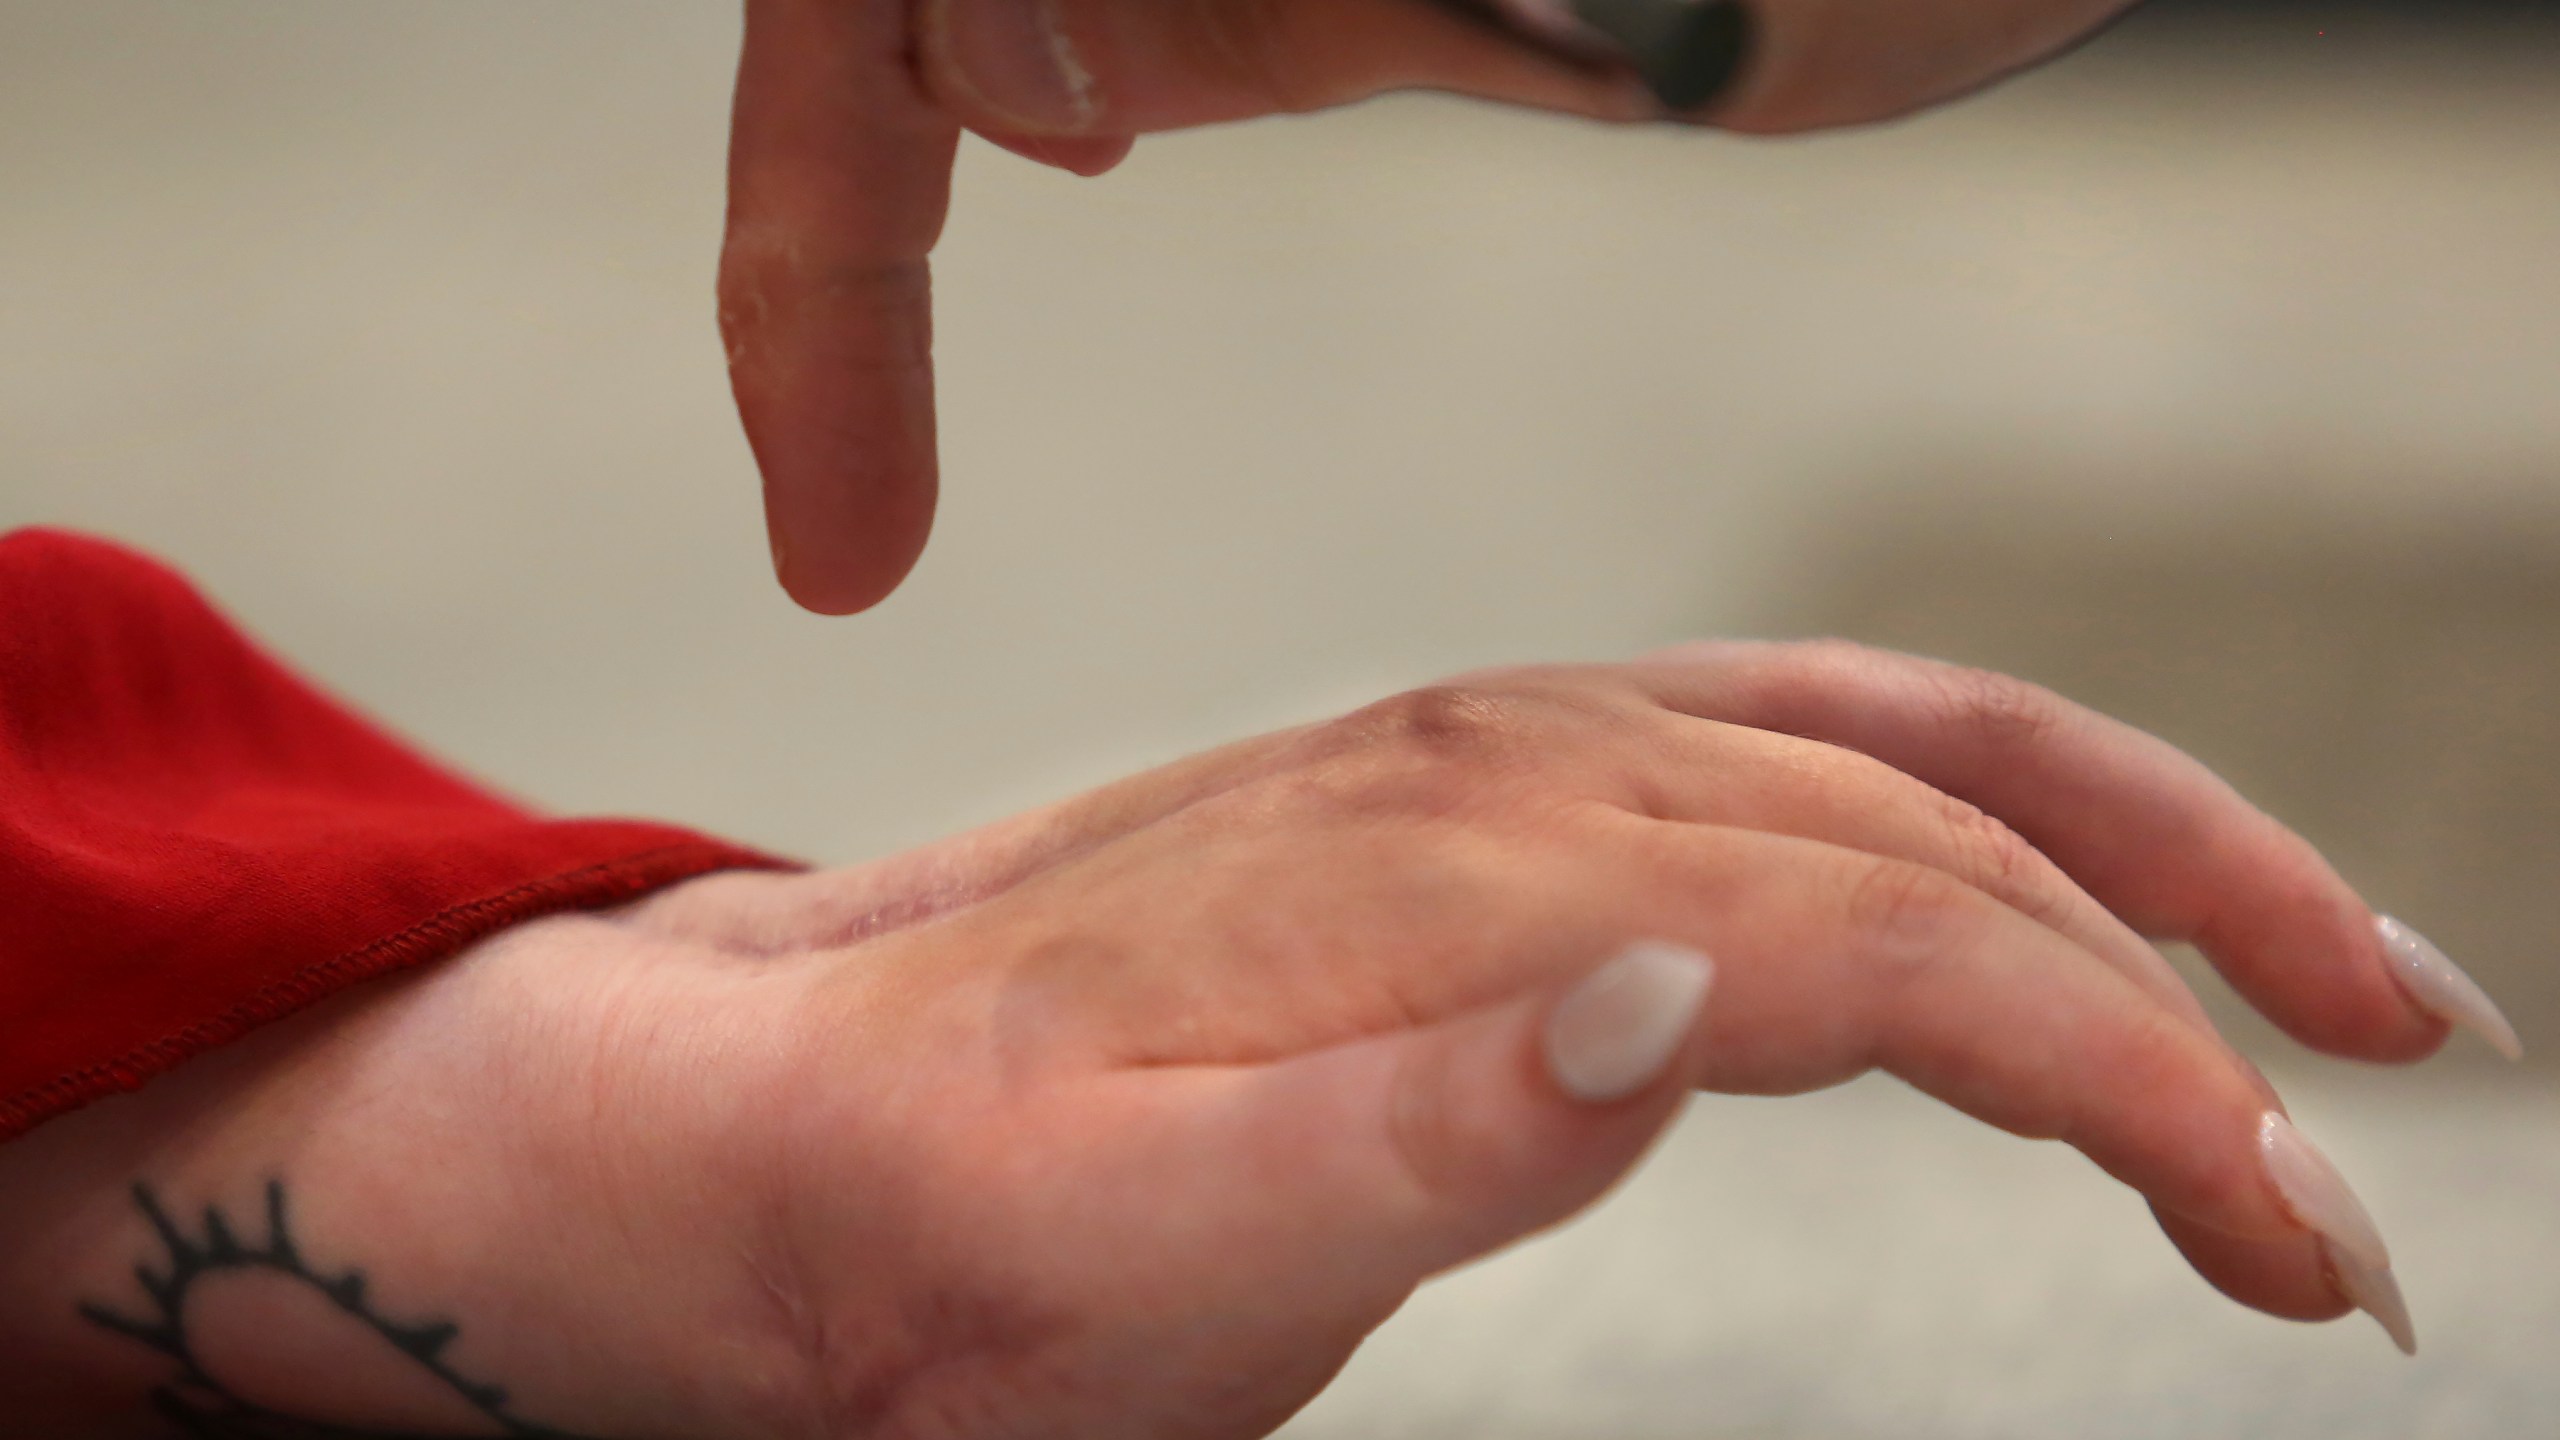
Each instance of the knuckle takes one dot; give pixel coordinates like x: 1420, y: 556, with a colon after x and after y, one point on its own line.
x: 1511, y: 742
x: 1999, y: 860
x: 755, y: 278
x: 767, y: 282
x: 1430, y: 752
x: 1969, y: 843
x: 2001, y: 713
x: 1453, y: 725
x: 1792, y: 678
x: 1907, y: 913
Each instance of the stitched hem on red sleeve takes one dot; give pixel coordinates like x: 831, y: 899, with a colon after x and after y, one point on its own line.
x: 442, y: 934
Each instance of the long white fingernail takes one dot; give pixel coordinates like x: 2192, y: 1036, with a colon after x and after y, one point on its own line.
x: 2377, y: 1294
x: 2436, y: 985
x: 2317, y: 1194
x: 1613, y: 1034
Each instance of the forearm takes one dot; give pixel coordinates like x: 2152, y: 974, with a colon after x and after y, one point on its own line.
x: 69, y: 1223
x: 362, y: 1218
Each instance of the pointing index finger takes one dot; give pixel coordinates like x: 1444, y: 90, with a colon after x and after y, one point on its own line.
x: 839, y: 179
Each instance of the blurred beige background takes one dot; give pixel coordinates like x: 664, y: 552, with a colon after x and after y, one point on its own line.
x: 2207, y: 376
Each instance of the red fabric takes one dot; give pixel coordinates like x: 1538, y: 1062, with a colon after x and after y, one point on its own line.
x: 194, y: 843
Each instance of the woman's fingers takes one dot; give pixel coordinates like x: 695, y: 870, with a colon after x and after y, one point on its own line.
x: 1830, y: 962
x: 1451, y: 852
x: 839, y: 178
x: 2147, y: 830
x: 1762, y: 780
x: 1416, y: 1148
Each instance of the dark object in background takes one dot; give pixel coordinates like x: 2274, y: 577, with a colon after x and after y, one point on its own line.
x: 1687, y: 52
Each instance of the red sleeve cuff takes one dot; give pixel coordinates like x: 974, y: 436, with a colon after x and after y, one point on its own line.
x: 193, y: 842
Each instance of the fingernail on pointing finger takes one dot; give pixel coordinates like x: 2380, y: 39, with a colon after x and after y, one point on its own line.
x: 2377, y: 1294
x: 2436, y: 985
x: 1018, y: 58
x: 2317, y: 1195
x: 1614, y: 1034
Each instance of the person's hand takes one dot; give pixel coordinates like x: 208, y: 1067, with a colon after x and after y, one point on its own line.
x: 848, y: 112
x: 1130, y: 1118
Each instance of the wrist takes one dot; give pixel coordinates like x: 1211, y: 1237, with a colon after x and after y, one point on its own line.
x: 446, y: 1202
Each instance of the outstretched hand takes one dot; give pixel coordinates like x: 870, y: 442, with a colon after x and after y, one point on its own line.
x: 848, y: 113
x: 1132, y: 1116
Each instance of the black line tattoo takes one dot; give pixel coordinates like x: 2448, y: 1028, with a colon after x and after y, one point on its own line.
x: 198, y: 1404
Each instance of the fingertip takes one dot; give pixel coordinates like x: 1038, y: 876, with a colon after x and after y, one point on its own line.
x: 845, y: 572
x: 1486, y: 1118
x: 833, y: 374
x: 2302, y: 1279
x: 1093, y: 156
x: 1089, y: 156
x: 2307, y: 953
x: 2286, y: 1278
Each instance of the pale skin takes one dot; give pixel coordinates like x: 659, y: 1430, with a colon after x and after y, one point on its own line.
x: 848, y: 114
x: 1132, y: 1116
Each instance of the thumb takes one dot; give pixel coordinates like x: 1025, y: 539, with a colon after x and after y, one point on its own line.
x: 1122, y: 67
x: 1394, y: 1158
x: 1127, y: 67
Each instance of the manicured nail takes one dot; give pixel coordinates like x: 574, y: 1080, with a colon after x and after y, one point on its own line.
x: 1613, y: 1034
x: 2375, y: 1293
x: 2317, y: 1194
x: 2436, y: 985
x: 1018, y: 57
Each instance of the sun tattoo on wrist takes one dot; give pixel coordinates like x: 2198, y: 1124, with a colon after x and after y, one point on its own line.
x: 198, y: 1403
